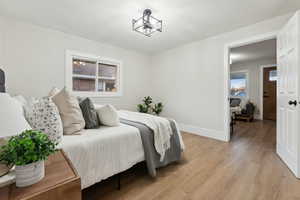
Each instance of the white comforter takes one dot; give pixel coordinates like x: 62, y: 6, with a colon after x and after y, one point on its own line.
x: 100, y: 153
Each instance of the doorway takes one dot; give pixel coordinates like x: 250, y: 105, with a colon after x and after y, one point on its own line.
x: 252, y: 81
x: 228, y: 61
x: 269, y: 89
x: 287, y: 128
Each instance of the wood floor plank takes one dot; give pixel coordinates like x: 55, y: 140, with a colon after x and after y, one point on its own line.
x: 247, y: 168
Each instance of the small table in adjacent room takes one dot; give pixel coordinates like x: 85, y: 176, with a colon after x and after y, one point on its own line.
x: 61, y: 182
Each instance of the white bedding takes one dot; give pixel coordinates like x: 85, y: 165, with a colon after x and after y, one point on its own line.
x: 100, y: 153
x: 160, y: 126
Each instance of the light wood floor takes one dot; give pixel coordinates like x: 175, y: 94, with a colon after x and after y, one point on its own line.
x: 246, y: 168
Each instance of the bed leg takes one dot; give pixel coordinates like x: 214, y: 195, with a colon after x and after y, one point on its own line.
x: 119, y: 181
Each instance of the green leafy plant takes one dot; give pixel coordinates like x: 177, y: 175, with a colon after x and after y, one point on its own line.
x: 28, y: 147
x: 148, y: 107
x: 143, y: 108
x: 157, y: 108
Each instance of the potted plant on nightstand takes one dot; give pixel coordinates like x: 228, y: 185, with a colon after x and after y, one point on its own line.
x: 27, y: 152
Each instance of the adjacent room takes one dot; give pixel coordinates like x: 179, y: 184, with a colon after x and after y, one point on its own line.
x: 253, y: 82
x: 253, y: 94
x: 149, y: 100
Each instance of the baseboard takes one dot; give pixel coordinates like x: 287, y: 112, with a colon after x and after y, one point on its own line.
x: 214, y: 134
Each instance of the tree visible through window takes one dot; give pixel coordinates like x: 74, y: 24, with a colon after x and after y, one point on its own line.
x: 238, y: 84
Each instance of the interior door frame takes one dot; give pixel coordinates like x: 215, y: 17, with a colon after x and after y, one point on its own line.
x: 227, y: 47
x: 261, y: 88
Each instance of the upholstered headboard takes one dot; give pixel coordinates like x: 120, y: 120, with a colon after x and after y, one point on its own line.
x: 2, y: 81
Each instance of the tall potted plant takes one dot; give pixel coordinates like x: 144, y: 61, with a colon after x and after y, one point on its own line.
x: 27, y: 151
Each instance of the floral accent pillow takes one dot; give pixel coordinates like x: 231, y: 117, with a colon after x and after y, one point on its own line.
x: 43, y: 115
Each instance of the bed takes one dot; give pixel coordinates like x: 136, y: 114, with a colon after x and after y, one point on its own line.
x: 98, y: 154
x: 101, y: 153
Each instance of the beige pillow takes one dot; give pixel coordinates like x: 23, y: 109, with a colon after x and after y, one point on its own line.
x: 69, y: 111
x: 54, y: 91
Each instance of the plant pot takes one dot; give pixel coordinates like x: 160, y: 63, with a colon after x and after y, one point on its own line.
x: 29, y: 174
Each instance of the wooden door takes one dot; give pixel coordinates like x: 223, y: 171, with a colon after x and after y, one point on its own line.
x: 270, y: 94
x: 288, y: 63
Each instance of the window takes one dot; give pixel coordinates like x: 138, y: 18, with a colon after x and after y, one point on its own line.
x: 273, y: 75
x: 88, y: 75
x: 238, y: 84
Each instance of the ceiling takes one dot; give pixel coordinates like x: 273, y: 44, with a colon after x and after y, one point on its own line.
x: 110, y: 20
x: 255, y: 51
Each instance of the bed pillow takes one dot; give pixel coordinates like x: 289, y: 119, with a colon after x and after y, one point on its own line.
x: 12, y: 117
x: 108, y: 115
x: 54, y: 91
x: 89, y: 113
x: 21, y: 99
x: 96, y: 106
x: 70, y: 112
x: 43, y: 115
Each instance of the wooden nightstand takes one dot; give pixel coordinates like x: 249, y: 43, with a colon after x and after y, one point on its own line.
x: 61, y: 182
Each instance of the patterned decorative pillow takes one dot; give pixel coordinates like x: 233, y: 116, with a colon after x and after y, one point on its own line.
x: 43, y: 115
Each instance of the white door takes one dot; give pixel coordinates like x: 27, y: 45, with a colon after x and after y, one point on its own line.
x: 288, y: 140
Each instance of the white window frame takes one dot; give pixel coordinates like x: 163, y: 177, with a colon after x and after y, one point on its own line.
x: 246, y: 72
x: 70, y: 54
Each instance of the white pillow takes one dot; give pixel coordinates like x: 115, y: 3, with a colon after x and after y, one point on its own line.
x: 43, y: 115
x: 108, y: 115
x: 12, y: 119
x: 96, y: 105
x: 21, y: 99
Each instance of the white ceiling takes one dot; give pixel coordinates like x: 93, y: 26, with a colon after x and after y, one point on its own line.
x: 110, y: 20
x: 255, y: 51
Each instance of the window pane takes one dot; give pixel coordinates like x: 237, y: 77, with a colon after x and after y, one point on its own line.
x: 107, y: 85
x: 101, y: 86
x: 109, y: 71
x: 238, y: 83
x: 273, y: 75
x: 83, y: 84
x: 84, y: 67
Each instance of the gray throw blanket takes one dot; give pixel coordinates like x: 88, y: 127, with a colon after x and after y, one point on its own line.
x: 151, y: 156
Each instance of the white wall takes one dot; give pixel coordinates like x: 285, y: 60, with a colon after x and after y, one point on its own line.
x: 254, y: 75
x: 1, y: 43
x: 35, y: 62
x: 190, y: 79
